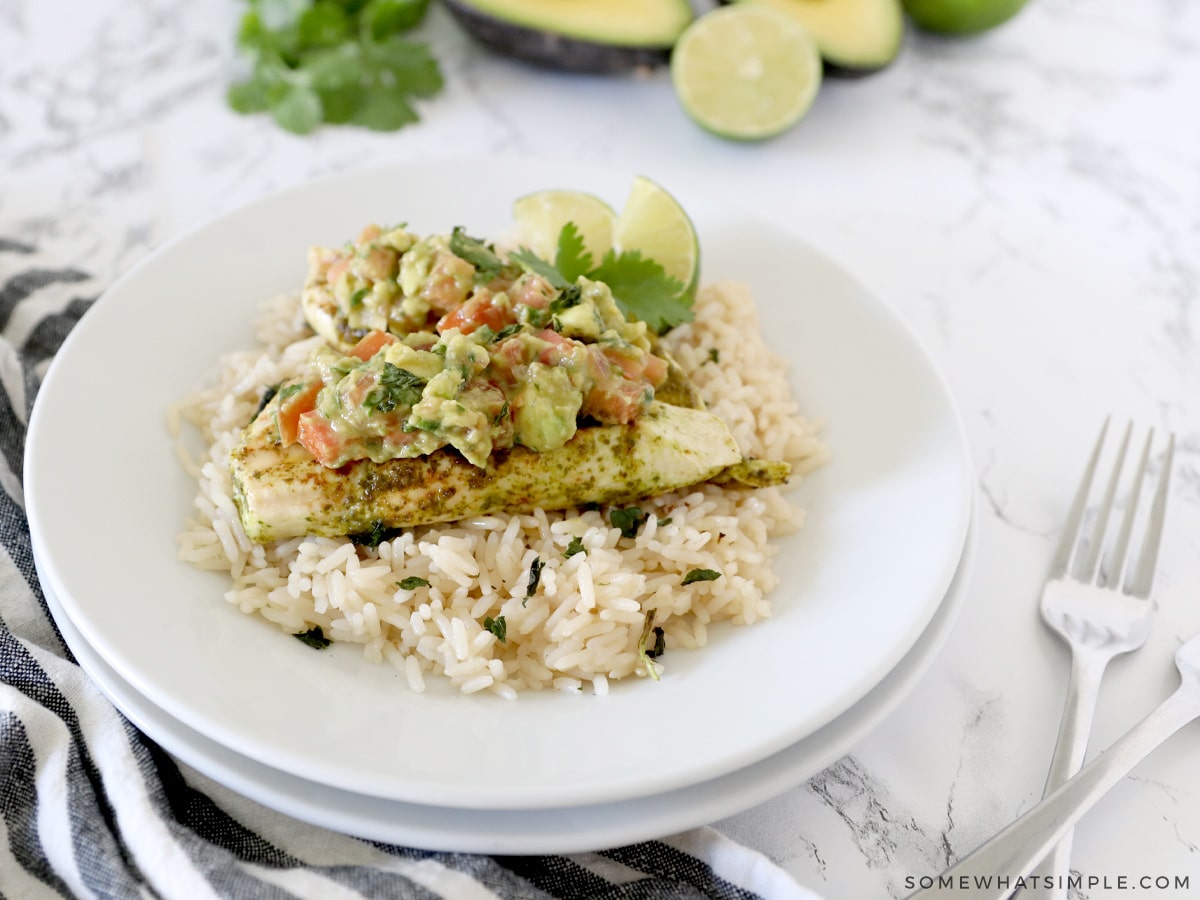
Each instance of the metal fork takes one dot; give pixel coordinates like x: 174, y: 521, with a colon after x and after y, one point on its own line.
x: 997, y: 868
x: 1100, y: 609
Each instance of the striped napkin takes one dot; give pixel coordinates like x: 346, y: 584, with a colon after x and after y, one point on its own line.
x: 91, y: 807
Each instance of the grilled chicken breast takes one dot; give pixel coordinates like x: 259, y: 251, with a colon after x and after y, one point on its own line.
x: 283, y: 492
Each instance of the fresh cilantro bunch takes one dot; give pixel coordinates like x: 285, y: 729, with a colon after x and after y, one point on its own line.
x: 334, y: 61
x: 642, y: 288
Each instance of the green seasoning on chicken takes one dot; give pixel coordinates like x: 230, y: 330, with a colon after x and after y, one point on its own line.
x: 283, y: 492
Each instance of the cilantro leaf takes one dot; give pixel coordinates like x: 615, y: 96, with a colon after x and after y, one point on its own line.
x: 314, y: 638
x: 640, y: 286
x: 643, y: 290
x: 323, y: 24
x: 249, y: 96
x: 535, y: 578
x: 487, y: 264
x: 700, y: 575
x: 575, y: 546
x: 531, y: 262
x: 298, y: 110
x: 660, y: 643
x: 397, y: 387
x: 376, y: 536
x: 412, y: 582
x: 386, y: 17
x: 379, y: 111
x: 572, y: 259
x: 498, y: 627
x: 571, y: 295
x: 629, y: 520
x: 403, y: 67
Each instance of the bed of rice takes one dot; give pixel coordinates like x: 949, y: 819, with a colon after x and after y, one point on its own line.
x: 580, y: 629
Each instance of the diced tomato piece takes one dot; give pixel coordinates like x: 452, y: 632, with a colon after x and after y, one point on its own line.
x: 336, y: 269
x: 358, y: 389
x: 292, y: 406
x: 597, y: 364
x: 560, y: 347
x: 448, y: 283
x: 617, y: 401
x: 371, y: 344
x: 531, y: 290
x: 380, y: 263
x: 482, y: 309
x: 632, y: 365
x: 513, y: 352
x: 318, y: 438
x: 656, y: 370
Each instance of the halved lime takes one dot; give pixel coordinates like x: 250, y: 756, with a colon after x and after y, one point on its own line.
x: 961, y: 16
x: 654, y: 223
x: 540, y: 217
x: 746, y: 71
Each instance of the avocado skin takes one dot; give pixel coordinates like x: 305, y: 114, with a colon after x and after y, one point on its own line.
x: 848, y: 50
x: 550, y: 49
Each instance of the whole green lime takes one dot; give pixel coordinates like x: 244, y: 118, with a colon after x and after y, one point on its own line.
x: 961, y: 16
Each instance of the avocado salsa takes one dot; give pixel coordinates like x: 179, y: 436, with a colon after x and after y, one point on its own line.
x: 443, y: 343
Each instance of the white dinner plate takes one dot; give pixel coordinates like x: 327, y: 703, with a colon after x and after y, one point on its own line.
x: 887, y: 519
x: 570, y: 830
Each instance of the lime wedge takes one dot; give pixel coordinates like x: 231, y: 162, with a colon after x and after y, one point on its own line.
x: 746, y: 71
x: 654, y: 223
x: 540, y: 217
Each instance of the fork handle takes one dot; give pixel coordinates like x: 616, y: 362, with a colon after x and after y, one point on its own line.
x: 996, y: 869
x: 1083, y: 692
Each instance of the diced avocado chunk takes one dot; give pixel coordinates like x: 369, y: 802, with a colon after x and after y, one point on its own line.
x: 546, y: 408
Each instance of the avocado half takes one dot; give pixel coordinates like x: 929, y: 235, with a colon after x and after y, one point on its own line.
x: 855, y: 37
x: 600, y: 36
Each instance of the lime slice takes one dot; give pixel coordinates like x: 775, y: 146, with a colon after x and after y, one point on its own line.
x: 654, y: 223
x: 746, y: 71
x: 961, y: 16
x: 540, y: 217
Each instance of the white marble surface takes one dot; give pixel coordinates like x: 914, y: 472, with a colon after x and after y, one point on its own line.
x: 1029, y: 201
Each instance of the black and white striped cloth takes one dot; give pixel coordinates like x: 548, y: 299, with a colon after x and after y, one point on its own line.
x: 91, y: 807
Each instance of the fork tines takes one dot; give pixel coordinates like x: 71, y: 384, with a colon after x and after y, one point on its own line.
x: 1084, y: 535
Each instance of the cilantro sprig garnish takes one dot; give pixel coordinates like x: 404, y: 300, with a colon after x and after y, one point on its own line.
x: 642, y: 288
x: 334, y: 61
x: 479, y: 254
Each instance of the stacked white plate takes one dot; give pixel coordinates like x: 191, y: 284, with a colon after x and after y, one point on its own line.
x: 869, y: 588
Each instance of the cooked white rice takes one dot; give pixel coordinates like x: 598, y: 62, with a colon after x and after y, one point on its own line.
x: 581, y: 627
